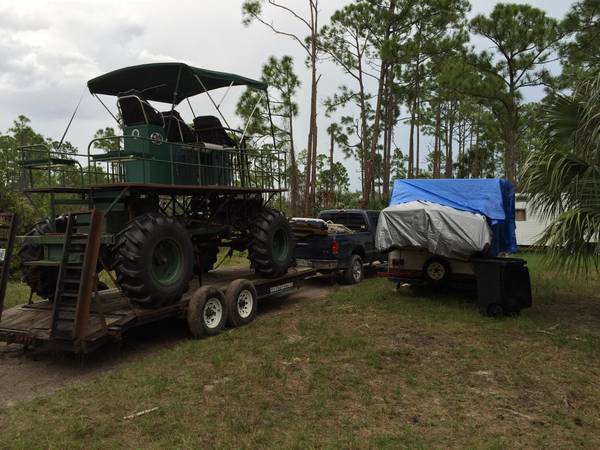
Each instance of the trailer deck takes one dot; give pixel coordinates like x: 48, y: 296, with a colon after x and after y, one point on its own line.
x: 112, y: 315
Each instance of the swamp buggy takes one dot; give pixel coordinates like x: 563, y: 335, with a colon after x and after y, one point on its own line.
x: 152, y: 206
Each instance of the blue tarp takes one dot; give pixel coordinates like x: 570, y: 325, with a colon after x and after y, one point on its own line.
x: 492, y: 198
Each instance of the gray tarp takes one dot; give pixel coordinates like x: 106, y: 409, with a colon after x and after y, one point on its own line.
x: 440, y: 229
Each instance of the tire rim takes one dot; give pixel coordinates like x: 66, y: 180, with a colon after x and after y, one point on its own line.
x: 213, y: 313
x: 356, y: 270
x: 245, y: 304
x: 167, y: 261
x: 436, y: 271
x: 280, y: 245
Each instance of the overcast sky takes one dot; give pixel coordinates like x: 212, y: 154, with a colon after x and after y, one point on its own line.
x: 49, y: 49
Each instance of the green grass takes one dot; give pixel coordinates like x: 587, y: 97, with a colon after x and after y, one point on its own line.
x: 366, y: 367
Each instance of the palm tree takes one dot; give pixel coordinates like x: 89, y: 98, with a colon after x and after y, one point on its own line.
x: 562, y: 177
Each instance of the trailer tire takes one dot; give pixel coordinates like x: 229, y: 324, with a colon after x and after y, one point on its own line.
x: 41, y: 280
x: 207, y: 312
x: 154, y: 260
x: 354, y: 273
x: 271, y: 249
x: 241, y: 300
x: 436, y: 271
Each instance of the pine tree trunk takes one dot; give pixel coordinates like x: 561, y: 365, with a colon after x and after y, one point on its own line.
x: 449, y: 156
x: 411, y: 145
x: 294, y: 194
x: 387, y: 147
x: 437, y: 146
x: 376, y: 122
x: 331, y: 194
x: 311, y: 147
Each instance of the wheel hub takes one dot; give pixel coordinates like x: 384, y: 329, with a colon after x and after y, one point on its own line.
x: 280, y: 245
x: 245, y: 304
x: 213, y: 313
x: 436, y: 271
x: 356, y: 270
x: 167, y: 260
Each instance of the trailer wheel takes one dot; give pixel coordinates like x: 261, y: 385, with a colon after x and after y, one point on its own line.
x: 436, y: 271
x: 154, y: 260
x: 41, y: 280
x: 271, y: 249
x: 354, y: 273
x: 241, y: 300
x: 207, y: 312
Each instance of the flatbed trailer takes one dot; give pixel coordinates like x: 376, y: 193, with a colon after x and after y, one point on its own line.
x: 112, y: 315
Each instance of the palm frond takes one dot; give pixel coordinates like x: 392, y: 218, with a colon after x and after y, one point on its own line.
x: 562, y: 178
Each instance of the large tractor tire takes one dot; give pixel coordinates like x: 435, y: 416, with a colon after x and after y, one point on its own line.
x: 271, y: 250
x: 41, y: 280
x: 154, y: 260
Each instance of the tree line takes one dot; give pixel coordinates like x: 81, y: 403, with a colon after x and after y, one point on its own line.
x: 416, y: 63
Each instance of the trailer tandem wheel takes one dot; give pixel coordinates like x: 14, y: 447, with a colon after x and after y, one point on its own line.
x: 241, y: 300
x: 206, y: 312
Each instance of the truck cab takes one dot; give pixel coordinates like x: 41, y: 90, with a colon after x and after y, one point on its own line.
x: 340, y: 241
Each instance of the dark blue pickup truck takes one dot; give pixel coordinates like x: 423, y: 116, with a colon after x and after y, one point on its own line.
x: 346, y: 252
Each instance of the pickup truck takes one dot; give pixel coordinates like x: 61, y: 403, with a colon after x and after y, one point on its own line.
x: 344, y: 251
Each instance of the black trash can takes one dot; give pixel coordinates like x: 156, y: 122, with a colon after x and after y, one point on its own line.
x: 503, y: 285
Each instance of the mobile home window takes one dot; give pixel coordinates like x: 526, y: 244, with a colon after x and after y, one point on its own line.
x: 520, y: 215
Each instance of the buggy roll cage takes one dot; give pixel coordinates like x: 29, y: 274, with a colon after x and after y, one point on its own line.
x: 174, y: 82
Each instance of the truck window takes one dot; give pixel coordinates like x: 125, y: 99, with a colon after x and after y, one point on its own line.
x: 354, y: 221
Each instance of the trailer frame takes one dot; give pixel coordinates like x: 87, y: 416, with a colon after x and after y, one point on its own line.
x: 30, y: 324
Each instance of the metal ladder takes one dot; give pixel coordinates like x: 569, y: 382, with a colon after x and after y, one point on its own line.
x: 8, y: 230
x: 77, y: 278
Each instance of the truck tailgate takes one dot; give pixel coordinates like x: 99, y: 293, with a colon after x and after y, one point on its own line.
x: 313, y: 247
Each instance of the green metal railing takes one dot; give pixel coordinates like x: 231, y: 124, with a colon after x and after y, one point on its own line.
x: 136, y: 159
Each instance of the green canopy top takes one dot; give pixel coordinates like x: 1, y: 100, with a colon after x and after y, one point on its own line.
x: 158, y: 82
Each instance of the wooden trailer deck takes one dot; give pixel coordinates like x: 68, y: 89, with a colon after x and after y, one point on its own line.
x: 112, y: 314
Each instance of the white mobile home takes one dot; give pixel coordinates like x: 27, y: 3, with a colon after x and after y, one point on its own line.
x: 530, y: 226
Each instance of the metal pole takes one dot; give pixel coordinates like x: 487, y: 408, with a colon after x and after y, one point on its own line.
x: 211, y: 100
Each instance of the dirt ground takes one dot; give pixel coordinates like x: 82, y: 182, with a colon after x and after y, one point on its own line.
x: 25, y: 375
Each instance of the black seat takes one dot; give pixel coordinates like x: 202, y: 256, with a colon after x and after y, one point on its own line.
x: 176, y: 128
x: 136, y: 110
x: 209, y: 129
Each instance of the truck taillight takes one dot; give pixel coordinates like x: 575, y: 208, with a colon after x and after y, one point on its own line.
x: 335, y: 248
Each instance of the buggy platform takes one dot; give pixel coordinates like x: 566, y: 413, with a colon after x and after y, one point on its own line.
x: 153, y: 187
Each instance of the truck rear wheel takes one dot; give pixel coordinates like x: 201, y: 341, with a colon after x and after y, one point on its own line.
x: 272, y: 244
x: 41, y: 280
x: 154, y: 260
x: 354, y: 273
